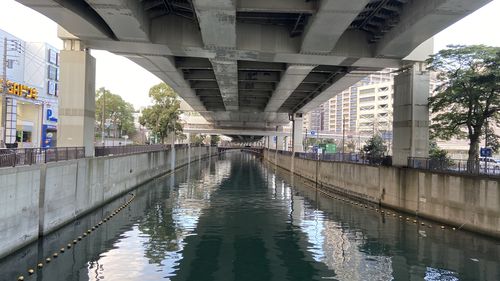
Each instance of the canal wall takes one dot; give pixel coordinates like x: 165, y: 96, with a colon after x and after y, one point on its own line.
x: 35, y: 200
x: 463, y: 201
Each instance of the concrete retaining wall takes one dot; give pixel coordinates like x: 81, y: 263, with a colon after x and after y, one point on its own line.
x: 470, y: 202
x: 38, y: 199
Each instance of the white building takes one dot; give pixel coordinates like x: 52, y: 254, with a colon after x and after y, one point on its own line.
x: 374, y: 107
x: 32, y: 90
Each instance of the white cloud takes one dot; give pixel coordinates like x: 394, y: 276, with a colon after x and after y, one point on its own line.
x: 480, y: 27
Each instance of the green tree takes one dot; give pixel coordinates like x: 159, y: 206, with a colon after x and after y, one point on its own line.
x: 214, y: 139
x: 312, y: 141
x: 350, y: 146
x: 117, y: 113
x: 439, y: 157
x: 375, y: 149
x: 162, y: 117
x: 330, y: 141
x: 197, y: 139
x: 468, y: 98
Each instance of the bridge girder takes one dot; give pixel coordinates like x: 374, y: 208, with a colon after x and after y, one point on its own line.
x: 256, y: 61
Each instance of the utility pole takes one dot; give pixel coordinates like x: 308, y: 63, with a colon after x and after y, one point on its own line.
x: 4, y: 95
x: 102, y: 117
x: 343, y: 137
x: 304, y: 145
x: 486, y: 134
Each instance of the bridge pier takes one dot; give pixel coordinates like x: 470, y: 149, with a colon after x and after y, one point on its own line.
x: 297, y: 139
x: 77, y: 99
x: 297, y: 145
x: 411, y: 115
x: 279, y: 139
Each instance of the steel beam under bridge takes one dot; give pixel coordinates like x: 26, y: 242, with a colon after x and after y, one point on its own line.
x: 235, y: 132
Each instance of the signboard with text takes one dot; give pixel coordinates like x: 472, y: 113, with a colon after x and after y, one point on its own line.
x: 486, y: 152
x: 331, y: 148
x: 20, y: 90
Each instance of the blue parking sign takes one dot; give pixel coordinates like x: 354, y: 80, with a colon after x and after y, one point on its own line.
x: 486, y: 152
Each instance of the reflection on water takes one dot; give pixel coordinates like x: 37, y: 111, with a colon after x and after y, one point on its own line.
x: 234, y: 218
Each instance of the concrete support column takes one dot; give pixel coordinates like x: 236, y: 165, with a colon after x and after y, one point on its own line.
x: 411, y: 115
x: 297, y: 145
x: 188, y: 135
x: 280, y: 139
x: 285, y: 143
x: 77, y: 99
x: 280, y: 143
x: 297, y: 138
x: 172, y: 152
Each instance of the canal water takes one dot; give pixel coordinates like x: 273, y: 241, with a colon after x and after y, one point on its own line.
x: 235, y: 218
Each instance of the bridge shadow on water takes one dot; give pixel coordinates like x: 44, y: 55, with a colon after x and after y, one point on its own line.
x: 235, y: 218
x: 248, y: 233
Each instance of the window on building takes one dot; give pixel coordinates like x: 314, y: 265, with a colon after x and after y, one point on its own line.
x: 51, y: 88
x: 367, y: 99
x: 52, y: 72
x: 367, y: 116
x: 367, y: 91
x: 10, y: 64
x: 382, y: 106
x: 383, y: 97
x: 383, y: 89
x: 23, y: 136
x: 52, y: 57
x: 366, y: 107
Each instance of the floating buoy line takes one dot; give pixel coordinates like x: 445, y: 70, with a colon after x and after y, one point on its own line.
x: 74, y: 242
x: 386, y: 213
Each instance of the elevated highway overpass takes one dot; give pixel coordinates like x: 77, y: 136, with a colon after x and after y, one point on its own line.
x: 254, y: 63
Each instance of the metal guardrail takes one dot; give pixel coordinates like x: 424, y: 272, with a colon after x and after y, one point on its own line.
x: 129, y: 149
x: 339, y: 157
x: 445, y: 165
x: 132, y: 149
x: 12, y: 157
x: 455, y: 166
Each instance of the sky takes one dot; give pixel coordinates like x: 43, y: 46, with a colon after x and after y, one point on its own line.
x: 133, y: 82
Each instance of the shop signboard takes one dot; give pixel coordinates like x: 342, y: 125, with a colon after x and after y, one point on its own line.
x: 49, y: 127
x: 20, y: 90
x: 486, y: 152
x: 331, y: 148
x: 50, y: 115
x: 49, y: 136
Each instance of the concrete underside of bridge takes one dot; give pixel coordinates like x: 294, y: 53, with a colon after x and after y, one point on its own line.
x: 256, y: 63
